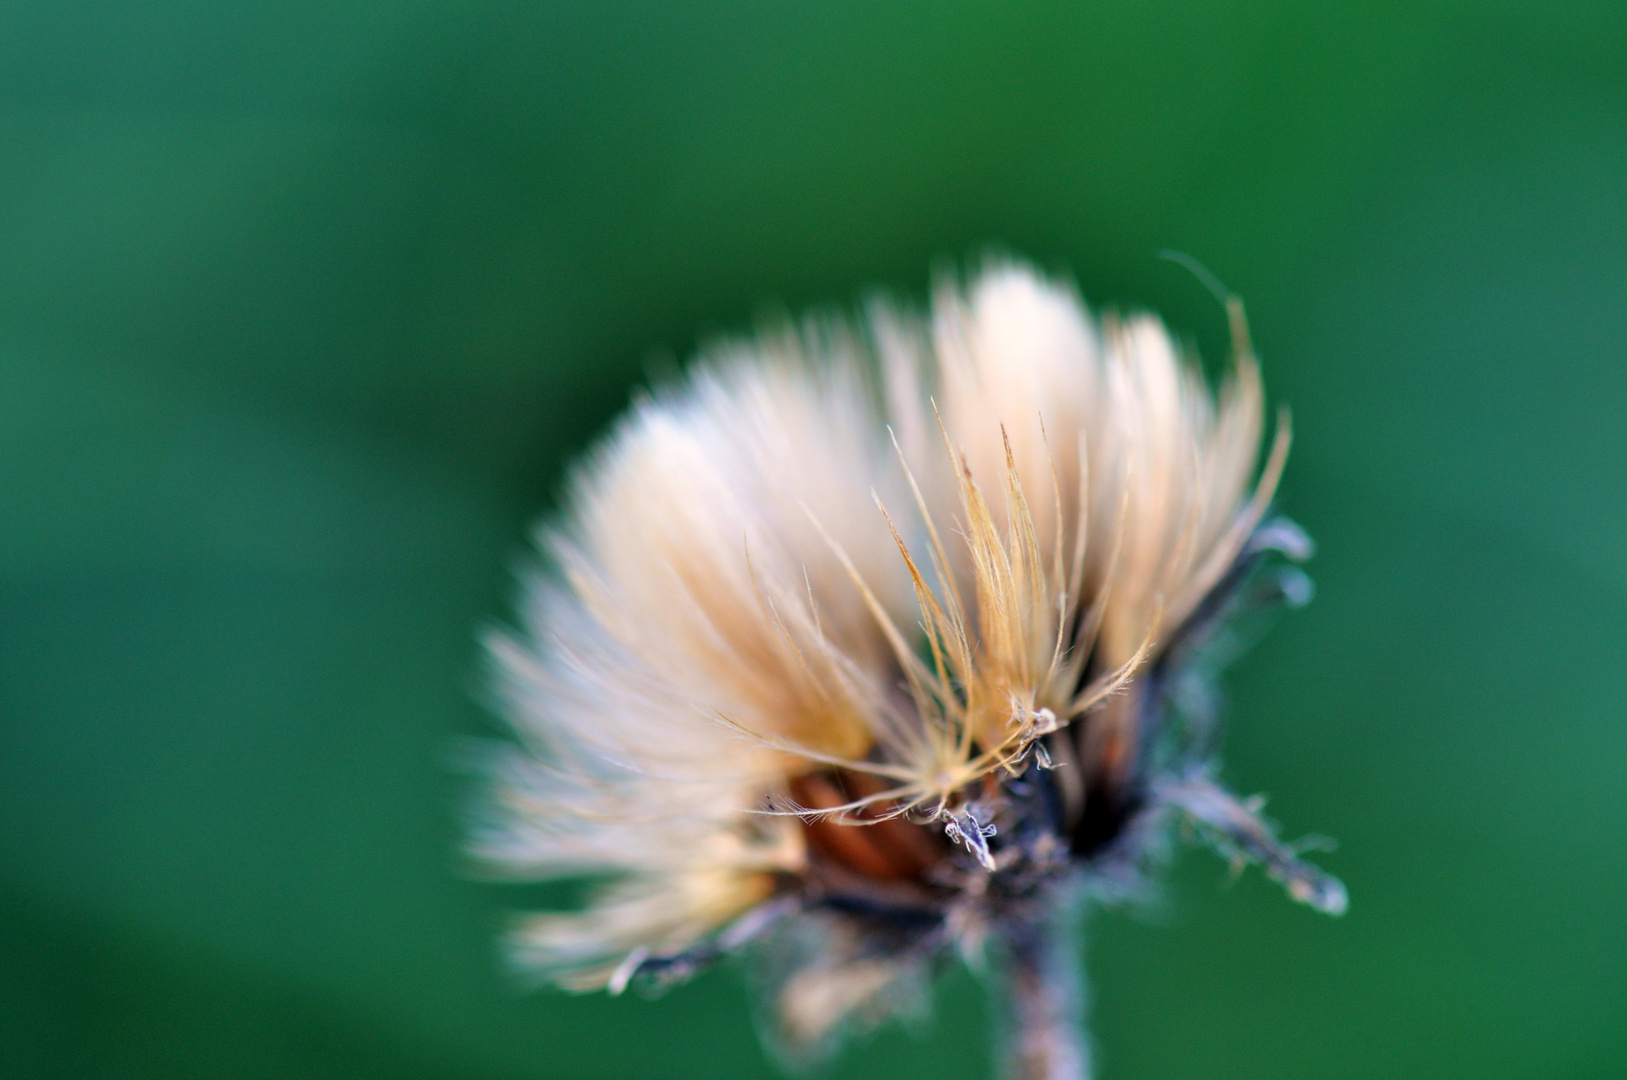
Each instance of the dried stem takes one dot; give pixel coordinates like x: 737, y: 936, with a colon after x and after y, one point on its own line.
x: 1044, y: 1039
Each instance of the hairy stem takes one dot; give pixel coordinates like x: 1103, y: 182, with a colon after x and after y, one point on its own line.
x: 1044, y: 1039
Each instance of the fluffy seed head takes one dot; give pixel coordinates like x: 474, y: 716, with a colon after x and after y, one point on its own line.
x: 864, y: 639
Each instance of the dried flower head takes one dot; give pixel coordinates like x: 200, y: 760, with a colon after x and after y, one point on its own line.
x: 865, y: 644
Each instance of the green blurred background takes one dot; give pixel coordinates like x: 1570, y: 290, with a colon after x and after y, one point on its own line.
x: 304, y: 306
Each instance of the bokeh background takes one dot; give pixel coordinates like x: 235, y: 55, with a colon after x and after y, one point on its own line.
x: 304, y: 306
